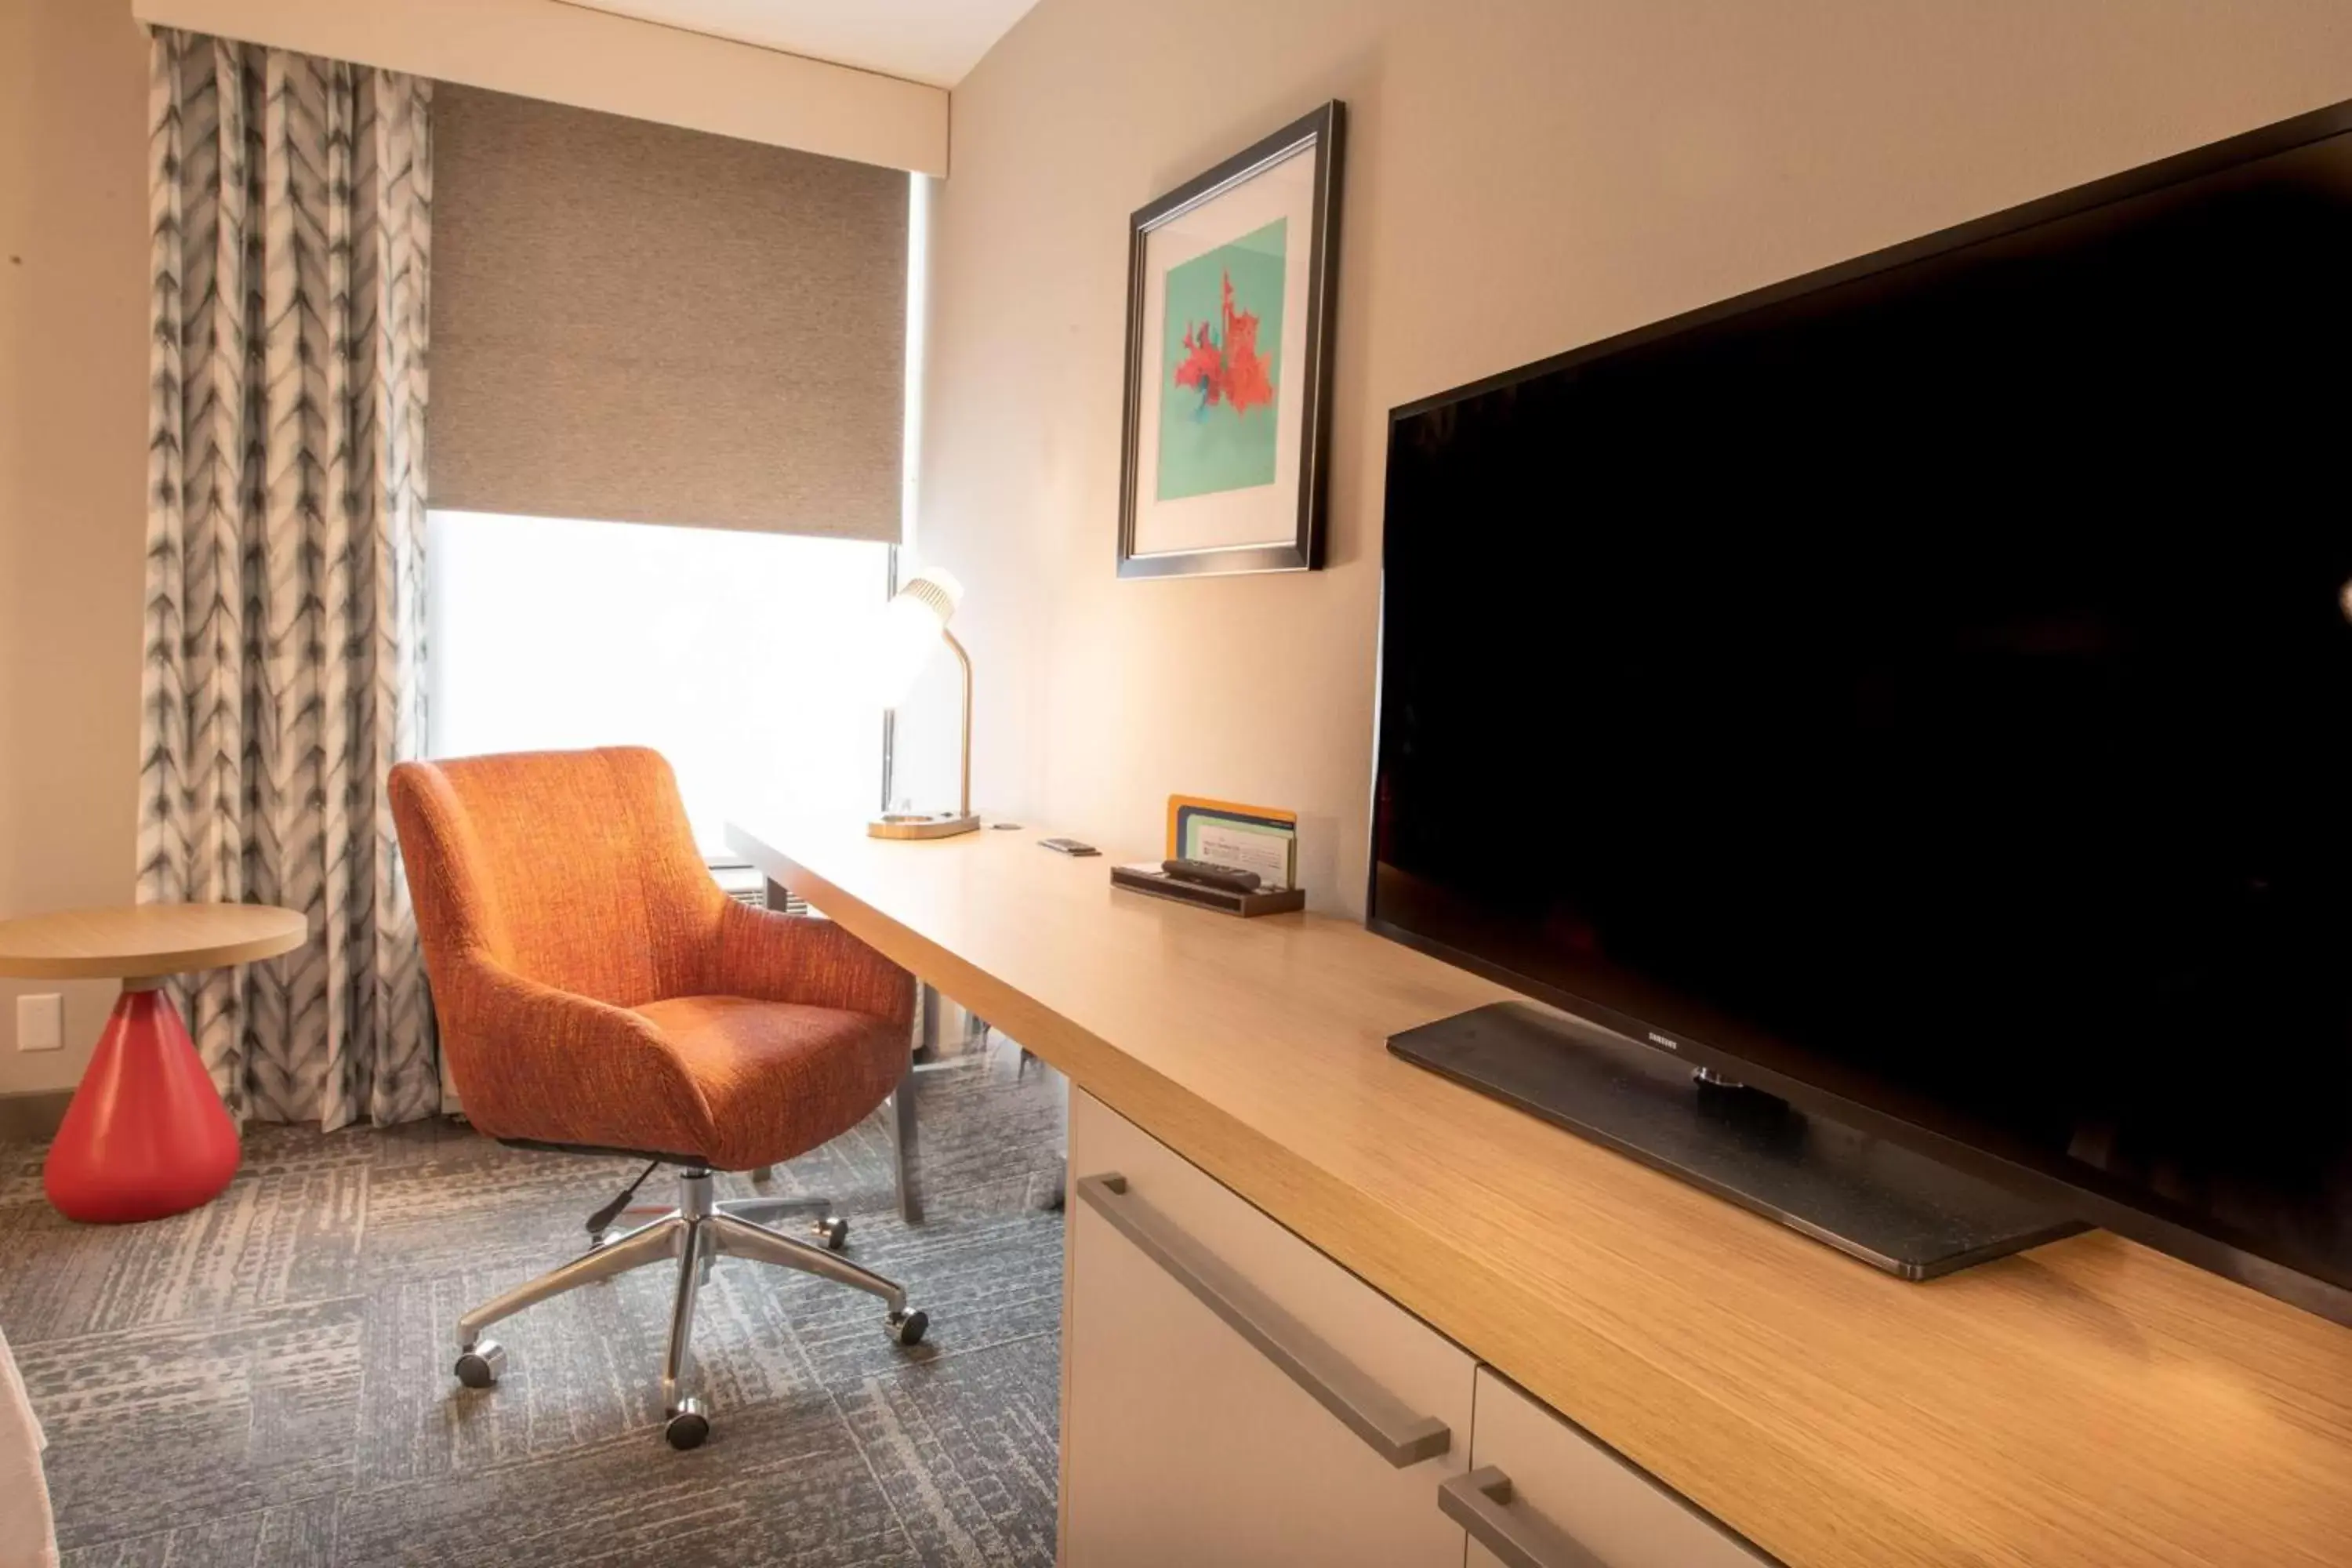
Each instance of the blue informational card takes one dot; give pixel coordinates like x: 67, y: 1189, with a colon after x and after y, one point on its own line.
x: 1250, y: 838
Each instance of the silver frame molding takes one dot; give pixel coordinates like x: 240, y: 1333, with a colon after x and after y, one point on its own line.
x: 1324, y: 131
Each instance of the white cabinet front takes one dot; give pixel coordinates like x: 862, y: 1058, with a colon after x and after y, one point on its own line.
x: 1233, y: 1398
x: 1544, y: 1494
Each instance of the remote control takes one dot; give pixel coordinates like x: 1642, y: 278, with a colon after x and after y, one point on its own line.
x: 1209, y: 874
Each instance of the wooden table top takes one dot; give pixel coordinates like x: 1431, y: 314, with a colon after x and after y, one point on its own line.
x: 142, y: 941
x: 2090, y: 1403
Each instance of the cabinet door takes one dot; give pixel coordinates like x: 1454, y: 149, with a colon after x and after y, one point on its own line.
x: 1230, y: 1396
x: 1544, y: 1494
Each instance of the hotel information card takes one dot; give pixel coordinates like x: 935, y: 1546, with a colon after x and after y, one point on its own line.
x: 1250, y: 838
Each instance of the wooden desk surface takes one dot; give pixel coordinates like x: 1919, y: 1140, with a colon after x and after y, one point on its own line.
x: 2090, y: 1402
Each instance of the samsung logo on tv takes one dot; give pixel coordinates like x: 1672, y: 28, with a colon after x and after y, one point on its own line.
x: 1658, y: 1039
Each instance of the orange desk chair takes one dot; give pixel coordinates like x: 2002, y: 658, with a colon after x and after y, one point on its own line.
x: 597, y: 993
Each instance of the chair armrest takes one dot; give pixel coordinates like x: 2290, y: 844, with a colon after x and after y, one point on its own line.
x: 775, y: 957
x: 535, y: 1062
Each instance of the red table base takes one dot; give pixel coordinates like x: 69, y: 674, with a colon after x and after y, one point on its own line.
x: 146, y: 1135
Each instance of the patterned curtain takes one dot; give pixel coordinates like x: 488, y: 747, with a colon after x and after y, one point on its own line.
x: 290, y: 199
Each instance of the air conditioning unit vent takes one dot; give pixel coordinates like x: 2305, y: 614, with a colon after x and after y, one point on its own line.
x: 747, y: 886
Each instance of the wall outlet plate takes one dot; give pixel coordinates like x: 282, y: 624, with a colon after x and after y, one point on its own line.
x: 41, y: 1022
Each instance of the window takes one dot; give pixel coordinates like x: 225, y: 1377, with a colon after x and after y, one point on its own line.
x: 721, y: 649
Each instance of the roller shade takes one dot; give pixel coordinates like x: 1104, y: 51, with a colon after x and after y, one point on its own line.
x: 641, y: 323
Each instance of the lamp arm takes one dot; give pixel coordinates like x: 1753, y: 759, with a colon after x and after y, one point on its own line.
x: 964, y: 721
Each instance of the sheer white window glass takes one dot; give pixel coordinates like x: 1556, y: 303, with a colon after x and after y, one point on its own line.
x: 724, y: 650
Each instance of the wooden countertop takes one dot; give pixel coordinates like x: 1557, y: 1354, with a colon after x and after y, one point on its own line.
x: 2089, y: 1403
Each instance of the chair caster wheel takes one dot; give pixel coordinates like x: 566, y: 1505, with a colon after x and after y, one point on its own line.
x: 688, y: 1426
x: 832, y: 1232
x: 907, y: 1328
x: 480, y: 1363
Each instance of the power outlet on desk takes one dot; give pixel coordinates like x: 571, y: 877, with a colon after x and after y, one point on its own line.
x: 41, y: 1022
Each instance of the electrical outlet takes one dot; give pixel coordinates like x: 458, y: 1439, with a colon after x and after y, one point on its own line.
x: 41, y: 1022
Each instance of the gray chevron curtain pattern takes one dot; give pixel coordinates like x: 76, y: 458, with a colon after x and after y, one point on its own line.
x: 291, y: 203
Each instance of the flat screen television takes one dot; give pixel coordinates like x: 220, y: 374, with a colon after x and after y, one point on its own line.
x: 1924, y: 689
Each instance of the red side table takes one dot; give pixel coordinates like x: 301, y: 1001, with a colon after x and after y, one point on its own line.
x: 146, y: 1135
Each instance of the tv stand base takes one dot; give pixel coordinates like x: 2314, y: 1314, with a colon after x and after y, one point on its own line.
x: 1892, y: 1208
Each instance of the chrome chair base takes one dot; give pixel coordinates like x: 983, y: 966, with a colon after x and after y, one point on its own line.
x: 695, y: 1233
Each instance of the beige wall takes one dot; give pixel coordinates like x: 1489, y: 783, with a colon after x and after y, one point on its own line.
x: 73, y: 456
x: 594, y: 60
x: 1523, y: 175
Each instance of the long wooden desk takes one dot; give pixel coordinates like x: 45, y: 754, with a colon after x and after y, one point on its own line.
x: 2090, y: 1402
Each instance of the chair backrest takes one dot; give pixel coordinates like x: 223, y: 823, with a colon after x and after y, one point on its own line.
x: 576, y: 869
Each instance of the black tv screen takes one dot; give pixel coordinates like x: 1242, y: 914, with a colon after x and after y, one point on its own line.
x: 1924, y: 688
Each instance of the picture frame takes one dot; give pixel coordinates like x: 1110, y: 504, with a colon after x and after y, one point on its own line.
x: 1227, y: 413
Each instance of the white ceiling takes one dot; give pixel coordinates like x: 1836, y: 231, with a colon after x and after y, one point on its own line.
x: 934, y: 41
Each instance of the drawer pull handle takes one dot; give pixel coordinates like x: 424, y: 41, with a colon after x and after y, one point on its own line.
x: 1370, y: 1411
x: 1480, y: 1503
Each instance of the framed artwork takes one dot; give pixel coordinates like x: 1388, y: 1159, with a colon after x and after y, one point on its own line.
x: 1229, y: 362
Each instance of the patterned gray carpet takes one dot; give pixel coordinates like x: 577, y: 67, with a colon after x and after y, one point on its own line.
x: 265, y: 1381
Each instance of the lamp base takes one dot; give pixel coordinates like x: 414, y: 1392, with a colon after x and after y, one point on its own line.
x: 919, y: 825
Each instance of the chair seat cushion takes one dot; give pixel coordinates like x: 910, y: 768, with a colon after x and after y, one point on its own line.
x: 780, y: 1078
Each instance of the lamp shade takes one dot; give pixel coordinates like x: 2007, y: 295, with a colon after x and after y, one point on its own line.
x: 908, y: 632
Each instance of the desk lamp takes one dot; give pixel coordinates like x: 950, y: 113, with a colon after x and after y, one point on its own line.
x: 913, y: 626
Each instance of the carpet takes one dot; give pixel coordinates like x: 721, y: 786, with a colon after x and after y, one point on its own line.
x: 265, y: 1381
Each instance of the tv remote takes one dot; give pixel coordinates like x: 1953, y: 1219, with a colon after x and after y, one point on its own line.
x: 1209, y: 874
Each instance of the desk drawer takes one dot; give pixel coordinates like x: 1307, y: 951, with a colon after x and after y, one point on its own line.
x: 1544, y: 1494
x: 1231, y: 1396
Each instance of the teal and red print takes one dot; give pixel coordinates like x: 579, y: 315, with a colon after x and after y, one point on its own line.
x: 1221, y: 370
x: 1226, y: 366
